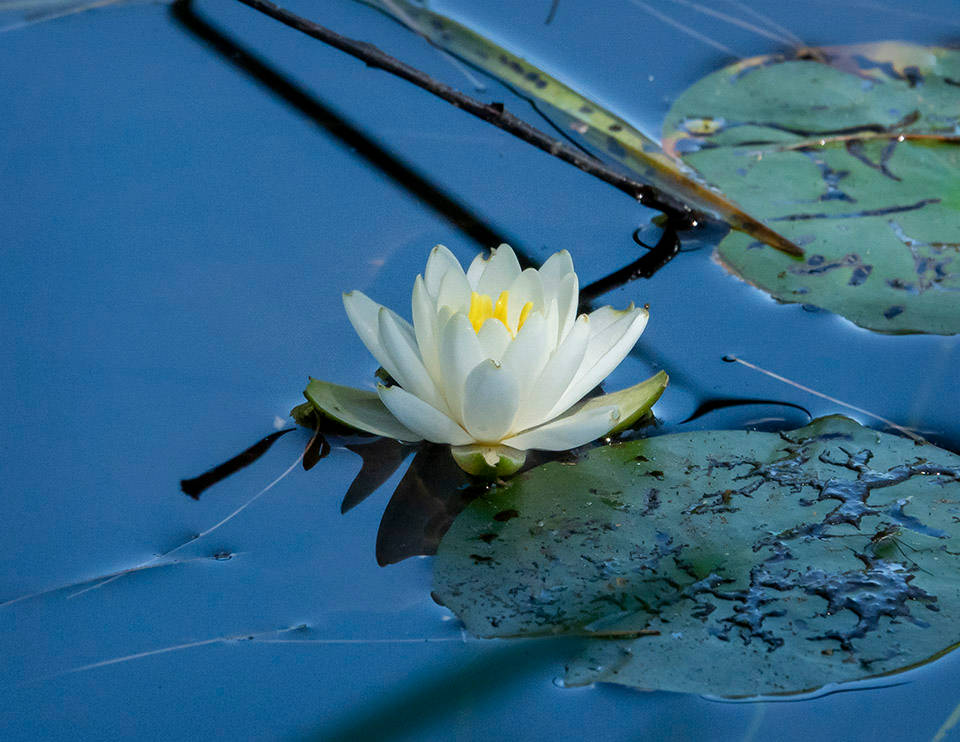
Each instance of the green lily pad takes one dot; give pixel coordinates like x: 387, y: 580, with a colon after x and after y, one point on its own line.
x: 854, y: 154
x: 728, y: 563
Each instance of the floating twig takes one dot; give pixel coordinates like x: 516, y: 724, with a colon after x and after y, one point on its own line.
x: 906, y: 431
x: 493, y: 113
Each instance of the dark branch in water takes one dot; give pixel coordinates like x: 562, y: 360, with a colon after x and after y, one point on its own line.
x: 493, y: 113
x: 195, y: 486
x: 643, y: 267
x: 553, y: 12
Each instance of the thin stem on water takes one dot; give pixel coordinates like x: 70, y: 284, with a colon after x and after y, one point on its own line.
x: 493, y: 113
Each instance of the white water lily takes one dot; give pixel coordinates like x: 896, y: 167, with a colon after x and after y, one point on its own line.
x: 496, y: 362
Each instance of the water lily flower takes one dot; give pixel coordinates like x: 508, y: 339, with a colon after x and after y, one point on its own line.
x: 495, y: 363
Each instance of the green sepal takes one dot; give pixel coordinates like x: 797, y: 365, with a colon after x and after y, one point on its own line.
x: 358, y: 409
x: 305, y: 414
x: 488, y: 461
x: 633, y: 402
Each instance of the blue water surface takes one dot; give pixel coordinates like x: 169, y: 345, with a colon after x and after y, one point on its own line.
x: 187, y: 191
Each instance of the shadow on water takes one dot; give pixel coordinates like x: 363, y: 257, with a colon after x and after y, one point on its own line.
x: 378, y: 156
x: 401, y: 173
x: 430, y: 495
x: 406, y: 710
x: 434, y: 490
x: 711, y: 405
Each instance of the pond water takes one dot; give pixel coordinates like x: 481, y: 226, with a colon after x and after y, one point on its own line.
x: 188, y: 191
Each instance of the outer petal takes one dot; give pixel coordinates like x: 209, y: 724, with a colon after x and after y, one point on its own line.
x: 501, y: 270
x: 460, y: 353
x: 357, y: 408
x: 602, y: 340
x: 598, y: 365
x: 425, y: 326
x: 364, y: 315
x: 406, y: 366
x: 494, y: 339
x: 418, y: 416
x: 569, y: 431
x: 440, y: 262
x: 602, y: 318
x: 490, y: 401
x: 526, y: 356
x: 594, y: 418
x: 557, y: 374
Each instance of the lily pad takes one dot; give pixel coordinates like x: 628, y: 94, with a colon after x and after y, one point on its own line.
x: 727, y: 563
x: 852, y: 153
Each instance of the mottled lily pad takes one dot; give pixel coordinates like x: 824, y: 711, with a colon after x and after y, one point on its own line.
x: 728, y: 563
x: 853, y: 154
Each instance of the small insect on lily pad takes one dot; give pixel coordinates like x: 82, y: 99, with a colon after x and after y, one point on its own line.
x: 853, y: 153
x: 728, y: 563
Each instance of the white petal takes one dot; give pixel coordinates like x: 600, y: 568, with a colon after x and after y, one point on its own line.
x: 490, y: 401
x: 568, y: 296
x: 500, y: 271
x: 359, y: 409
x: 601, y: 341
x: 526, y: 356
x: 556, y: 376
x: 598, y: 365
x: 475, y: 271
x: 607, y: 327
x: 460, y: 353
x: 421, y: 418
x: 425, y: 325
x: 364, y: 315
x: 405, y: 363
x: 454, y: 292
x: 494, y: 339
x: 602, y: 318
x: 525, y: 288
x: 552, y: 316
x: 440, y: 262
x: 569, y: 431
x: 553, y: 271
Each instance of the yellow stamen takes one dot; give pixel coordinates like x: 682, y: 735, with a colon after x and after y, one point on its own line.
x: 482, y: 308
x: 500, y: 310
x: 524, y: 313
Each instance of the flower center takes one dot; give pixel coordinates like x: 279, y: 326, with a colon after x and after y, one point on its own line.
x: 482, y: 308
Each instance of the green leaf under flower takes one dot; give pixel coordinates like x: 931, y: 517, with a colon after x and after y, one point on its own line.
x: 722, y: 562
